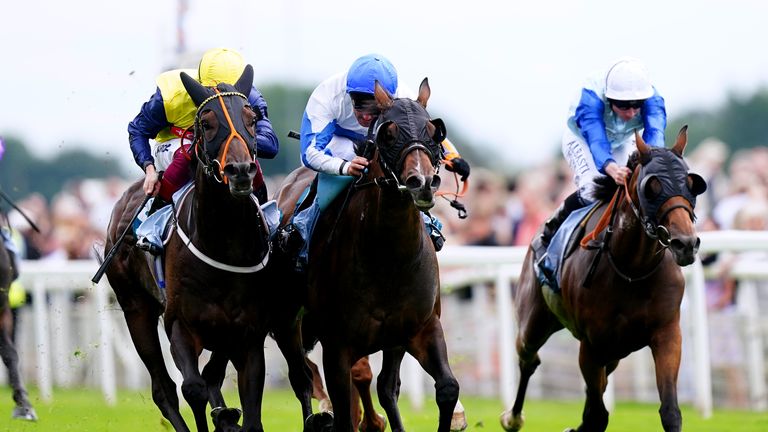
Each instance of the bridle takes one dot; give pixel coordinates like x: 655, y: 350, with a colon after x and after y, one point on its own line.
x: 652, y: 228
x: 212, y: 165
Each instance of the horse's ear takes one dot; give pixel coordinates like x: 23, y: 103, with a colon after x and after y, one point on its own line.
x: 424, y: 93
x: 385, y: 134
x: 440, y: 133
x: 682, y: 140
x: 642, y: 147
x: 383, y: 98
x: 196, y: 91
x: 244, y: 83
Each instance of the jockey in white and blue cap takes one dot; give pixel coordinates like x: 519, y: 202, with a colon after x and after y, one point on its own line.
x: 600, y: 133
x: 339, y: 112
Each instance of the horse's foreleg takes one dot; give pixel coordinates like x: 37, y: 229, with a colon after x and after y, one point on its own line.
x: 23, y: 409
x: 142, y: 319
x: 185, y: 352
x: 428, y: 347
x: 318, y: 390
x: 665, y: 346
x: 213, y: 374
x: 361, y: 378
x: 338, y: 363
x: 299, y: 373
x: 388, y: 386
x: 595, y: 415
x: 250, y: 380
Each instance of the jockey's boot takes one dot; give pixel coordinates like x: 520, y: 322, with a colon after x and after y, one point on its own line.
x: 434, y: 226
x: 144, y: 244
x: 289, y: 240
x: 541, y: 242
x: 157, y: 204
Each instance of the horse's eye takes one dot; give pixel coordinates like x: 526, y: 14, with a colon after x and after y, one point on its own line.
x: 205, y: 125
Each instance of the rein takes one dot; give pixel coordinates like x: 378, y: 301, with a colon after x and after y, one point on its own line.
x: 604, y: 245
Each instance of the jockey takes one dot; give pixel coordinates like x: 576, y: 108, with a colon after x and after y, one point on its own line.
x: 168, y: 114
x: 600, y: 134
x: 340, y: 111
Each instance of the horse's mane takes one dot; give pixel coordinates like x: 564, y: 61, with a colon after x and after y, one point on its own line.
x: 605, y: 187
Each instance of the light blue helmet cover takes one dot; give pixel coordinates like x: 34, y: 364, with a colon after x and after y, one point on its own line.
x: 366, y: 70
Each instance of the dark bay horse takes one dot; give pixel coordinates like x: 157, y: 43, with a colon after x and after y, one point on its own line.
x: 622, y: 292
x: 215, y: 290
x: 23, y: 409
x: 373, y: 275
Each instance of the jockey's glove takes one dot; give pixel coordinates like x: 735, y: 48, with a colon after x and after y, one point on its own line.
x: 460, y: 167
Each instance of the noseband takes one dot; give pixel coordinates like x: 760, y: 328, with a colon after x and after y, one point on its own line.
x: 209, y: 160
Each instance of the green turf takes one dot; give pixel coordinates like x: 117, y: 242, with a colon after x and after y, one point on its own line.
x: 85, y: 410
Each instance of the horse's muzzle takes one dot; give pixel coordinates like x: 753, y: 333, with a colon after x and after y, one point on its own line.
x: 422, y: 190
x: 240, y: 177
x: 684, y: 249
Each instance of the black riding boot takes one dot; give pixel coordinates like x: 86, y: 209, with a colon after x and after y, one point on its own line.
x: 540, y: 243
x: 157, y: 204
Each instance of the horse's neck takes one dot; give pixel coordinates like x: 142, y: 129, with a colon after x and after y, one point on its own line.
x: 391, y: 219
x: 629, y: 243
x: 217, y: 216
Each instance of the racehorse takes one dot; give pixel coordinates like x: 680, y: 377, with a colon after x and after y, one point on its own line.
x: 23, y: 409
x: 622, y: 292
x: 372, y: 279
x: 216, y: 298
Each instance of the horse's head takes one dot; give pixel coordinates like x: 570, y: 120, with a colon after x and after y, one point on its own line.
x: 667, y: 193
x: 408, y: 143
x: 225, y: 135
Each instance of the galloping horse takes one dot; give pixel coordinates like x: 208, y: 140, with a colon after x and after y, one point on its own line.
x: 373, y: 275
x: 623, y: 292
x: 216, y: 298
x: 23, y: 409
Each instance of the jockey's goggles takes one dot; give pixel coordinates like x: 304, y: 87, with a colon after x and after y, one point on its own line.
x: 365, y: 104
x: 626, y: 105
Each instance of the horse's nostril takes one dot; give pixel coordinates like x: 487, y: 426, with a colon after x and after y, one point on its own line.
x: 436, y: 181
x: 414, y: 182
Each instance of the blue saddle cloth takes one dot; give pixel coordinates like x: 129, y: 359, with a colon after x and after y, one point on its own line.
x: 558, y: 248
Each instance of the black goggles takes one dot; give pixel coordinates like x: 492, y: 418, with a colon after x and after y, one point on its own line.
x: 365, y: 104
x: 625, y: 105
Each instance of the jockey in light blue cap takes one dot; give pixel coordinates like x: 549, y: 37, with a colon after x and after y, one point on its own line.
x: 339, y: 112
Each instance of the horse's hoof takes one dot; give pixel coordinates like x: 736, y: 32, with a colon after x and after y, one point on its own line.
x: 458, y: 422
x: 320, y: 422
x: 224, y: 417
x: 382, y: 420
x: 23, y: 413
x: 511, y: 423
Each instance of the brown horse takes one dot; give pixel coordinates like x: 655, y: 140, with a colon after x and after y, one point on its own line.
x: 373, y: 275
x: 23, y: 409
x: 216, y: 298
x: 622, y: 293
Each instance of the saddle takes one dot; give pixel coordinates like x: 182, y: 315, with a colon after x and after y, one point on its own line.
x: 567, y: 238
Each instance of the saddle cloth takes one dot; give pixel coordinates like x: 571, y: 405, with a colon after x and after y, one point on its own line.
x: 562, y: 244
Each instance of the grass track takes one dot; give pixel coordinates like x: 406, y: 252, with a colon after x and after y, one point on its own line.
x: 85, y: 410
